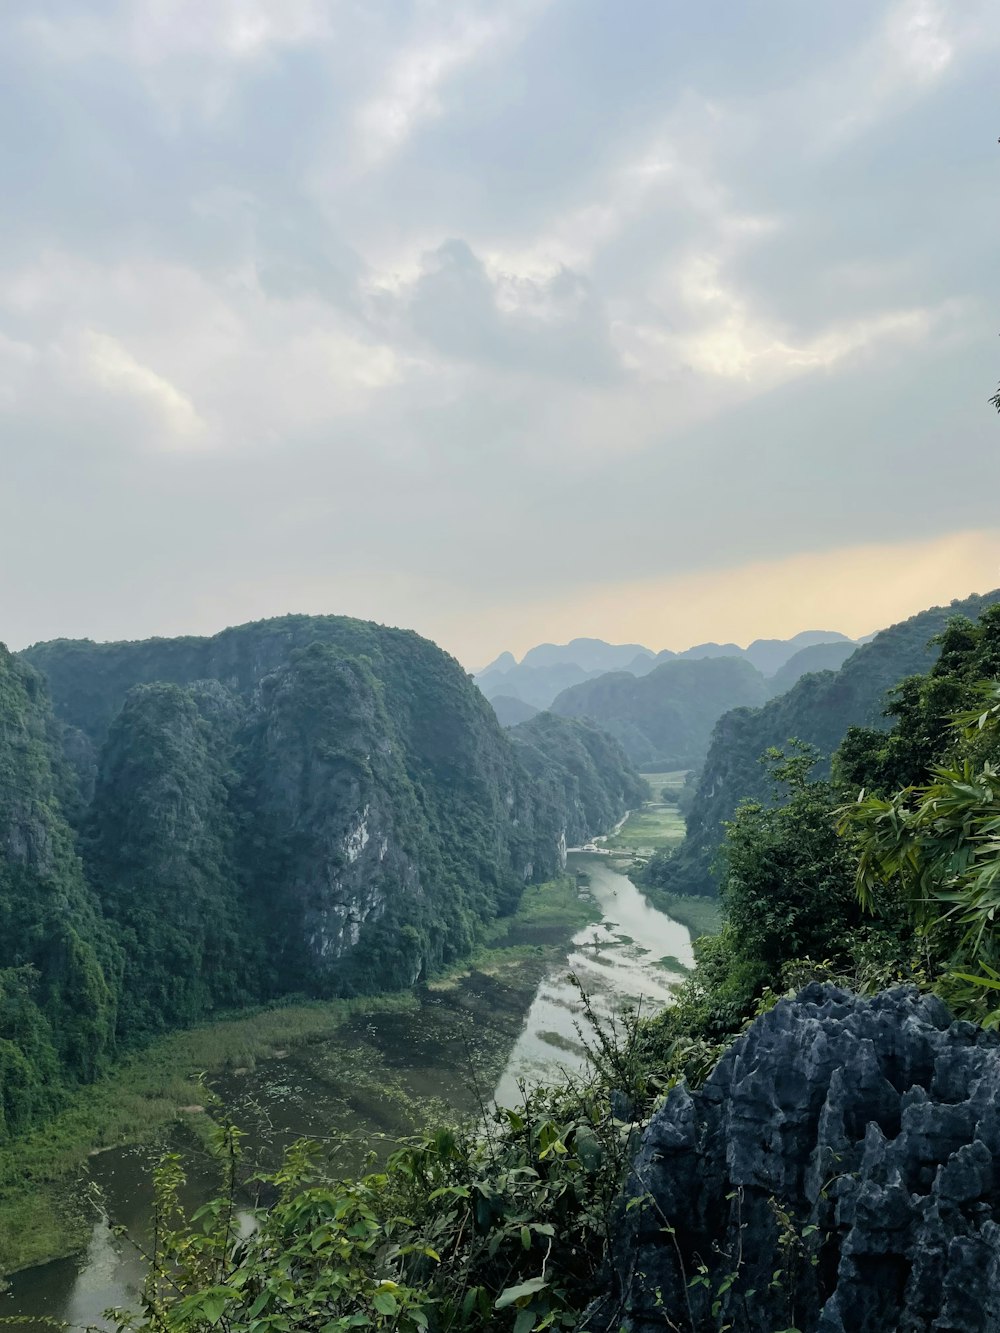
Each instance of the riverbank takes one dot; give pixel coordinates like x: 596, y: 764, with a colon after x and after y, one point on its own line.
x: 43, y: 1214
x: 162, y: 1089
x: 657, y: 826
x: 702, y: 916
x: 546, y: 918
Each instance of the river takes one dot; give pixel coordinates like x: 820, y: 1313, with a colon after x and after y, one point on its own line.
x: 362, y: 1086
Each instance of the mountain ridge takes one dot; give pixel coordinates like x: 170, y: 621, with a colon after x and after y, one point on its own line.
x: 548, y: 669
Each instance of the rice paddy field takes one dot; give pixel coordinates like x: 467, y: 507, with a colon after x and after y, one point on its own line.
x: 658, y: 825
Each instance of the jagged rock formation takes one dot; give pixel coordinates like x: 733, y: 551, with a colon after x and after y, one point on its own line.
x: 837, y: 1173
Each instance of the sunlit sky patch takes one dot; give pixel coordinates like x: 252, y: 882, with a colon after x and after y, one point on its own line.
x: 506, y: 320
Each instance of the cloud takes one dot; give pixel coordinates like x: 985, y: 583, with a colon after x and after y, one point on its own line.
x: 114, y: 369
x: 854, y: 589
x: 555, y: 324
x: 410, y: 91
x: 433, y: 311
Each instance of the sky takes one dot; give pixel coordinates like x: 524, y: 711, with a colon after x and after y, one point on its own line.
x: 506, y: 321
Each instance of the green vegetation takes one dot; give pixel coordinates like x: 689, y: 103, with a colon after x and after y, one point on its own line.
x: 819, y: 709
x: 666, y: 718
x: 907, y: 889
x: 312, y: 806
x: 147, y: 1095
x: 59, y: 964
x: 546, y: 918
x: 649, y: 829
x: 702, y: 916
x: 506, y: 1226
x: 510, y: 1229
x: 42, y: 1215
x: 581, y: 774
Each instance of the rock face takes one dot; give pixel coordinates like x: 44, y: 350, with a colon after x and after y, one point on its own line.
x: 306, y: 804
x: 837, y: 1172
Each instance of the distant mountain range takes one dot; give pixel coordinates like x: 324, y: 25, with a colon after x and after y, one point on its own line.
x: 548, y: 669
x: 817, y: 709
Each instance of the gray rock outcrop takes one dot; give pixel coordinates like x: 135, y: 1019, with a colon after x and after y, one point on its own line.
x: 836, y: 1173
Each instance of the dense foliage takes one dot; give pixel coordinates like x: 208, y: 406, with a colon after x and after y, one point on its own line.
x: 664, y: 720
x: 819, y: 709
x: 510, y: 1226
x: 59, y: 962
x: 313, y: 804
x: 908, y: 889
x: 580, y: 771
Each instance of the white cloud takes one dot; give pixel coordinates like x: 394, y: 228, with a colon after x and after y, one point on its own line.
x: 153, y: 32
x: 411, y: 90
x: 113, y: 368
x: 521, y: 279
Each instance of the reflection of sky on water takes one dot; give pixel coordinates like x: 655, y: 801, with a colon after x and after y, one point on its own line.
x: 317, y: 1089
x: 615, y: 960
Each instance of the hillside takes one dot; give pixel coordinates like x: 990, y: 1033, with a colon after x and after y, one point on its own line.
x: 582, y: 775
x: 311, y: 804
x: 818, y: 709
x: 59, y: 962
x: 817, y: 657
x: 664, y: 719
x: 545, y: 671
x: 512, y: 711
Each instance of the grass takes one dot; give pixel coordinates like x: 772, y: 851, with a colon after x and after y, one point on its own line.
x: 657, y: 824
x: 669, y: 963
x: 42, y: 1212
x: 702, y: 916
x: 649, y: 830
x: 547, y: 916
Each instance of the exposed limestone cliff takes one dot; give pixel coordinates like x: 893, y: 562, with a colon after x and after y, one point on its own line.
x: 311, y: 803
x: 836, y: 1174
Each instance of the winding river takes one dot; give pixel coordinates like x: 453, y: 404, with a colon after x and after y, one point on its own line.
x: 633, y: 955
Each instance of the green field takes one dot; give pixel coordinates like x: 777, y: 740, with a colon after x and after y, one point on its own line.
x: 657, y: 825
x: 44, y: 1213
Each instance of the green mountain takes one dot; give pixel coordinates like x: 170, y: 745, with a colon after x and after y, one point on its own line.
x: 311, y: 804
x: 664, y: 719
x: 582, y: 775
x: 59, y: 962
x: 817, y: 657
x: 818, y: 709
x: 511, y: 711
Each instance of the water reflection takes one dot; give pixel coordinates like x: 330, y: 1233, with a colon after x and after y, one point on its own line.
x: 634, y: 955
x: 364, y: 1083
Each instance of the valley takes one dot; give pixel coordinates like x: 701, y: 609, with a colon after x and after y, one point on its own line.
x: 359, y: 1075
x: 513, y: 888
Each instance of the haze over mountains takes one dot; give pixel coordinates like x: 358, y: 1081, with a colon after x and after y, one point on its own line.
x: 548, y: 669
x: 311, y: 804
x: 660, y: 706
x: 818, y: 709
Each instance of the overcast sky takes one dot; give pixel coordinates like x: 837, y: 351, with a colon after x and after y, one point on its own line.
x: 506, y: 320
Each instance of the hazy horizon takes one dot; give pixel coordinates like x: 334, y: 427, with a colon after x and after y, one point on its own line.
x: 509, y: 322
x: 474, y: 665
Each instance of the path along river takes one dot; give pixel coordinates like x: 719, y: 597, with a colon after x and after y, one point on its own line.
x: 364, y: 1083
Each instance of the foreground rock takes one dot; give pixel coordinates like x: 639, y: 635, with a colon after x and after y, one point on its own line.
x: 837, y: 1173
